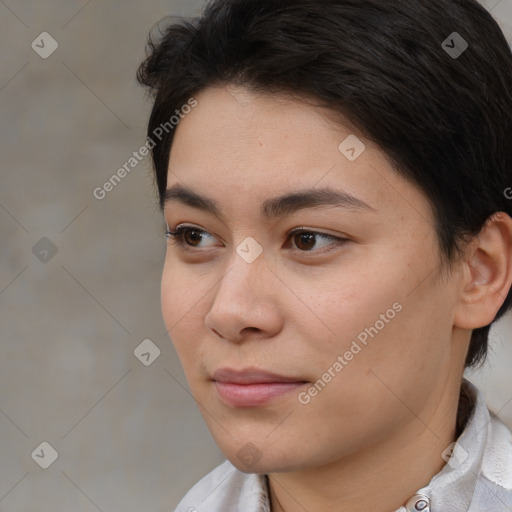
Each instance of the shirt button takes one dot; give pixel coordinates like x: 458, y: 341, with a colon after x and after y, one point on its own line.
x: 418, y: 503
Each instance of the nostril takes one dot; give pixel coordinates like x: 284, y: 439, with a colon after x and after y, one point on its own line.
x: 252, y: 329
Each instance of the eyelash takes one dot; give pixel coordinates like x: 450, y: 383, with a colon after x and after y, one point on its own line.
x: 176, y: 237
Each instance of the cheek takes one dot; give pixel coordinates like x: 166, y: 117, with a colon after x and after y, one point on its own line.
x: 349, y: 300
x: 380, y: 318
x: 179, y: 303
x: 184, y: 296
x: 170, y: 289
x: 181, y: 291
x: 390, y: 360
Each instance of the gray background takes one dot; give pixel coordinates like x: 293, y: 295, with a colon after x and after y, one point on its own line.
x: 129, y: 437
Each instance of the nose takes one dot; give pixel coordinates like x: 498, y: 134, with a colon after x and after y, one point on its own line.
x: 246, y: 302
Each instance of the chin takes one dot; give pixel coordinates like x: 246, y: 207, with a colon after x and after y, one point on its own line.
x: 250, y: 459
x: 262, y: 467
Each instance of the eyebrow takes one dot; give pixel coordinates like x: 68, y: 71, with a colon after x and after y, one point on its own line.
x: 275, y: 207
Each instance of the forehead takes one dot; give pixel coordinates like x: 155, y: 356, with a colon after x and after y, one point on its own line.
x: 238, y: 148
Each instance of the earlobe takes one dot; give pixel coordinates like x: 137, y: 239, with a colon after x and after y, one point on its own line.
x: 487, y: 274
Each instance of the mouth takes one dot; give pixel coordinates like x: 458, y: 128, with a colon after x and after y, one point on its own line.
x: 251, y: 387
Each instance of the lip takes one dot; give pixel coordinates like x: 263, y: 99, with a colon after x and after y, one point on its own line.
x: 252, y: 387
x: 250, y: 376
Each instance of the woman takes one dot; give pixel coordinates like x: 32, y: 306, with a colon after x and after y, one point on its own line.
x: 333, y: 177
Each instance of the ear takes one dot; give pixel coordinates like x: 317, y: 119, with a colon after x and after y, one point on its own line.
x: 486, y: 274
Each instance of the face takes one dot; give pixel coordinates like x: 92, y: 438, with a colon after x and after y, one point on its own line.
x: 300, y: 346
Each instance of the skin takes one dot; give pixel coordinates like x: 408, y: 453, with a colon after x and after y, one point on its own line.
x: 297, y: 307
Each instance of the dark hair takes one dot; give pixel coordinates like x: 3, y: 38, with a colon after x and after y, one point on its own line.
x: 444, y: 119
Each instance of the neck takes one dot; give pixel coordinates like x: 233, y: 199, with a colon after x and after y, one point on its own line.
x: 382, y: 477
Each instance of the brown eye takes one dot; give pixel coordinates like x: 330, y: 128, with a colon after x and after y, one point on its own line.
x: 188, y: 237
x: 192, y: 236
x: 306, y: 240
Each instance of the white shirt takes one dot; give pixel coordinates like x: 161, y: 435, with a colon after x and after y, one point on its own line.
x: 477, y: 477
